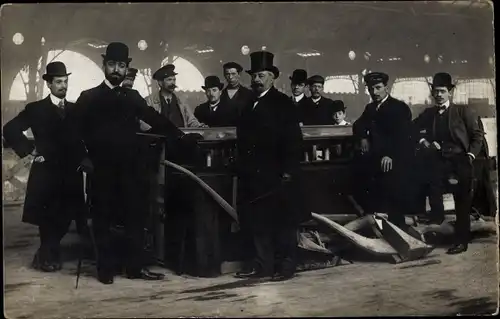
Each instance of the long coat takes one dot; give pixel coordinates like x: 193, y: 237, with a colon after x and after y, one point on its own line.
x: 224, y: 115
x: 389, y: 132
x: 239, y: 100
x: 55, y: 188
x: 269, y: 144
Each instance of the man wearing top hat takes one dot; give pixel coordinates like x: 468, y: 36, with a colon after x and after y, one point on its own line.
x: 167, y: 103
x: 298, y: 85
x: 235, y: 95
x: 215, y: 112
x: 451, y: 136
x: 269, y: 148
x: 54, y: 194
x: 129, y: 80
x: 105, y: 119
x: 384, y: 131
x: 319, y: 109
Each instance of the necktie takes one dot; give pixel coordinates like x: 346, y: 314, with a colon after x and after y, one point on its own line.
x: 61, y: 104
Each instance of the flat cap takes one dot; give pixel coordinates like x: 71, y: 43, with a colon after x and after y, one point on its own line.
x: 376, y: 77
x: 232, y: 65
x: 164, y: 71
x: 316, y: 79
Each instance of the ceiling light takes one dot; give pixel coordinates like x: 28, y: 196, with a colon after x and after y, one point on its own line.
x: 18, y: 38
x: 142, y: 45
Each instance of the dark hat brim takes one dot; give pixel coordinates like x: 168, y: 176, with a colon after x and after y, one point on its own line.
x: 297, y: 80
x: 272, y: 69
x: 46, y: 77
x: 448, y: 85
x: 158, y: 76
x: 104, y: 56
x: 220, y: 86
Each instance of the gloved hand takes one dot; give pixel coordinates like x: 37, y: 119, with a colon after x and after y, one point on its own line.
x: 86, y: 166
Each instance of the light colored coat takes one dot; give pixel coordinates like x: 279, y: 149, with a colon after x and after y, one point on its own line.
x: 188, y: 117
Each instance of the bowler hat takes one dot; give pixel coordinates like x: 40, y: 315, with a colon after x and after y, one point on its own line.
x: 233, y: 65
x: 117, y: 51
x: 376, y: 77
x: 263, y: 61
x: 316, y: 79
x: 299, y: 76
x: 442, y: 79
x: 212, y: 81
x: 55, y: 69
x: 131, y: 72
x: 163, y: 72
x: 338, y: 105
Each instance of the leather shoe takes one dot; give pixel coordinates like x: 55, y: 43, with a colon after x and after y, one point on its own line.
x: 457, y: 249
x: 253, y: 273
x: 145, y: 274
x: 283, y: 276
x: 105, y: 277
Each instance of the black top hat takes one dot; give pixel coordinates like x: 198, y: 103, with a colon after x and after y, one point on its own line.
x: 55, y: 69
x: 442, y: 79
x: 131, y: 72
x: 117, y: 51
x: 316, y: 79
x: 233, y: 65
x: 164, y: 71
x: 263, y: 61
x: 376, y: 77
x: 338, y: 105
x: 299, y: 76
x: 212, y: 81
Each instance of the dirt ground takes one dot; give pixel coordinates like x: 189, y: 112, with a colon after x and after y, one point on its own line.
x: 438, y: 285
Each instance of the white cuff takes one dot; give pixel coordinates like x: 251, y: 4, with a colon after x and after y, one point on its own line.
x: 421, y: 140
x: 473, y: 157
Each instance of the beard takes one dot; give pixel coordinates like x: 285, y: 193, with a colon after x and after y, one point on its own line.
x: 115, y: 78
x: 60, y: 94
x: 257, y: 87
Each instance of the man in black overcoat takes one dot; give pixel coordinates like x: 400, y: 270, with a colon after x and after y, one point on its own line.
x: 54, y: 194
x: 298, y: 84
x: 319, y: 109
x: 235, y: 95
x: 215, y: 112
x: 269, y: 148
x: 105, y: 119
x: 453, y: 138
x: 384, y: 132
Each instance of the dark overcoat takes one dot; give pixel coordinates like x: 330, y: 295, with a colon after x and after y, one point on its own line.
x: 389, y: 132
x: 320, y: 113
x: 239, y: 100
x: 55, y: 188
x: 224, y: 115
x: 269, y: 144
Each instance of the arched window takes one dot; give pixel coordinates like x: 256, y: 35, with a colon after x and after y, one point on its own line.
x: 412, y: 90
x: 189, y: 78
x: 483, y: 89
x: 341, y: 84
x: 85, y: 74
x: 142, y: 82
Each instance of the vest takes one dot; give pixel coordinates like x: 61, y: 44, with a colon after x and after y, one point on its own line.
x: 172, y: 110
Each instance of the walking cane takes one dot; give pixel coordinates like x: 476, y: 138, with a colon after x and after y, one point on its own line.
x: 91, y: 231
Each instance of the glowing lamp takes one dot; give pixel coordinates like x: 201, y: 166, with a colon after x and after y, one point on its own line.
x: 352, y: 55
x: 18, y: 39
x: 142, y: 45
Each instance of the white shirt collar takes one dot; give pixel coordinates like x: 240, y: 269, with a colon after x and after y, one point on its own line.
x: 298, y: 98
x: 111, y: 86
x: 55, y: 100
x: 264, y: 93
x: 383, y: 100
x: 316, y: 100
x: 445, y: 104
x: 213, y: 107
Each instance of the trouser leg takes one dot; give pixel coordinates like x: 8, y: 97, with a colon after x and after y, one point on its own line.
x: 463, y: 199
x: 286, y: 247
x: 264, y: 248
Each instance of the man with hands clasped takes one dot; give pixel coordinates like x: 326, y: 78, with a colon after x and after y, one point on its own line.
x: 451, y: 135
